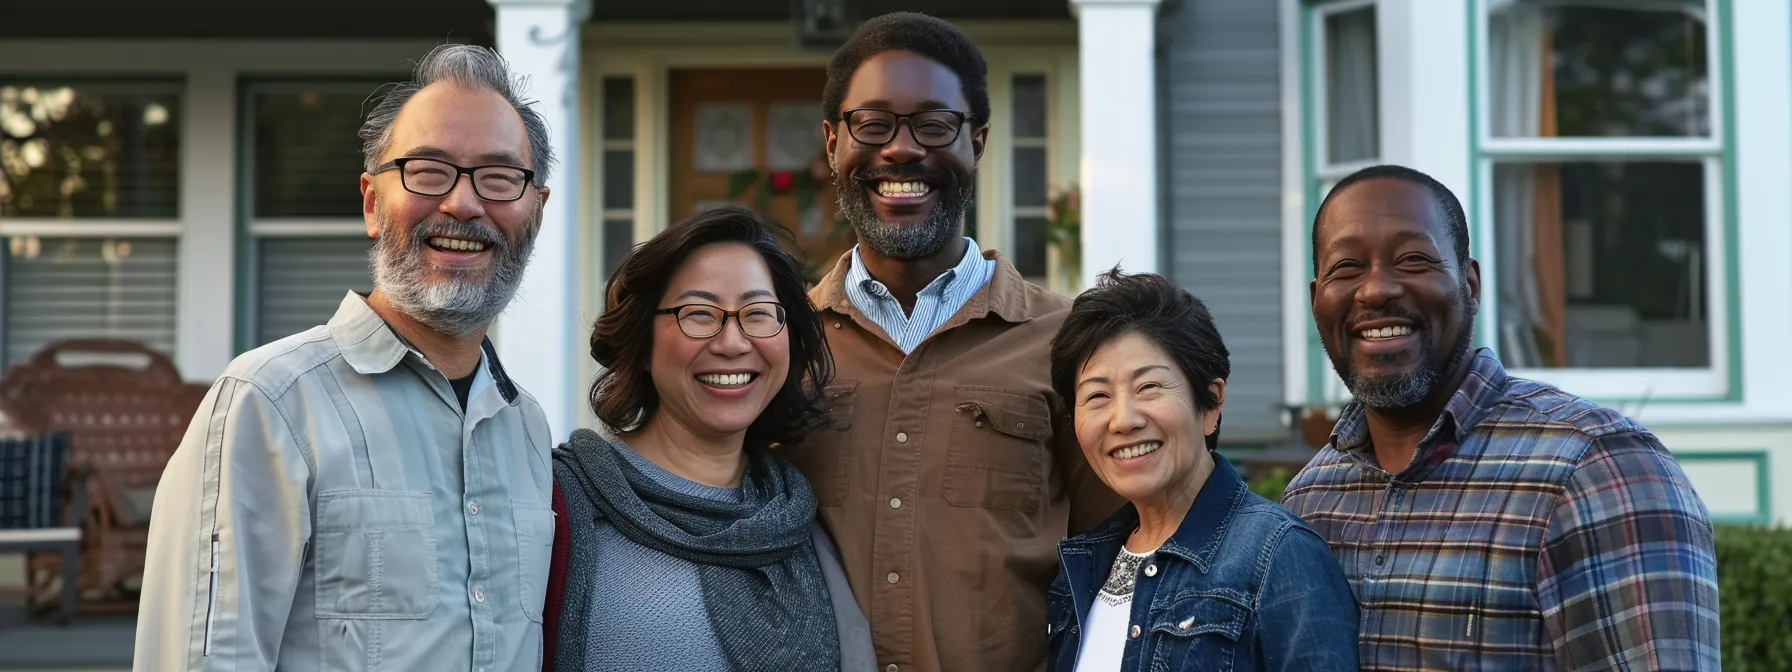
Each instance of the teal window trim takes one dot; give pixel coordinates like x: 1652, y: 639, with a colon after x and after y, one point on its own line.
x: 1762, y: 459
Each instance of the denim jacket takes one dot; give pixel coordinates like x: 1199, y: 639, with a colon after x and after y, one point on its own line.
x: 1241, y: 585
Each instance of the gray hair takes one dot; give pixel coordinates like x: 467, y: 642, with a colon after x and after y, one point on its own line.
x: 469, y: 66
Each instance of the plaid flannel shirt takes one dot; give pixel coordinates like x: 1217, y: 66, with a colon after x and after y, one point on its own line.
x: 1532, y: 530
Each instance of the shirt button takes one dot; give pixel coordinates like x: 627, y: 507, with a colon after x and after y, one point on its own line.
x: 890, y: 668
x: 895, y: 502
x: 1134, y: 633
x: 473, y: 508
x: 1020, y: 425
x: 1150, y: 570
x: 893, y: 577
x: 902, y: 437
x: 479, y: 595
x: 836, y: 325
x: 979, y: 423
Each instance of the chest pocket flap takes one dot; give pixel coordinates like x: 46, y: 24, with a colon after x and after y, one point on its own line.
x: 997, y: 458
x: 1197, y: 614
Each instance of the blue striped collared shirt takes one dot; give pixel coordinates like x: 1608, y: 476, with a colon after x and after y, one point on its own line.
x: 936, y: 303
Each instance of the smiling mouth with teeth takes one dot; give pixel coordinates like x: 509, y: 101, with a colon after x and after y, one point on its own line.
x: 1384, y: 332
x: 727, y: 381
x: 903, y: 189
x: 1137, y: 451
x: 456, y: 245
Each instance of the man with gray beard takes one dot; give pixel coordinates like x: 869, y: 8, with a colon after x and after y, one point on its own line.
x: 374, y: 493
x: 952, y: 473
x: 1484, y: 521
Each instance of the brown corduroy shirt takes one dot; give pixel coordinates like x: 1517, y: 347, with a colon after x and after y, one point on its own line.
x: 951, y: 475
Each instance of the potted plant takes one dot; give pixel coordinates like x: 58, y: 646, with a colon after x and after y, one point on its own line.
x: 1064, y: 233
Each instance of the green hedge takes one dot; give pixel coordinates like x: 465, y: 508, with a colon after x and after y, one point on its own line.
x: 1754, y: 586
x: 1754, y: 592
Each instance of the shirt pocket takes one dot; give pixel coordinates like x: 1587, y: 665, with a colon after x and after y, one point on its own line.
x: 824, y: 454
x: 996, y: 459
x: 534, y: 551
x: 376, y: 555
x: 1200, y: 631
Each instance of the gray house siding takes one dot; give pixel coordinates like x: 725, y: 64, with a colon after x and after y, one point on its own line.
x: 1220, y: 115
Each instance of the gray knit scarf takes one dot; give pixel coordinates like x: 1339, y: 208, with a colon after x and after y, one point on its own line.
x: 761, y: 579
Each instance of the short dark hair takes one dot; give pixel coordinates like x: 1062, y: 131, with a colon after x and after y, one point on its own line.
x: 623, y: 396
x: 1151, y: 306
x: 1454, y: 220
x: 919, y: 33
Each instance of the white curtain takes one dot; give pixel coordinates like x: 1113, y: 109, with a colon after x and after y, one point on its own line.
x: 1350, y: 87
x: 1515, y: 48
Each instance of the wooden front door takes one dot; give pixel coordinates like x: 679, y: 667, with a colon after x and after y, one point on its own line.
x: 753, y: 137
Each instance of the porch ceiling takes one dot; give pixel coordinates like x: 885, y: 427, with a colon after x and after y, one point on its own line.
x: 462, y: 20
x: 779, y: 10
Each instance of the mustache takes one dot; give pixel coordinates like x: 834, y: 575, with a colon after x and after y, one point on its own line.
x: 454, y: 228
x: 1390, y: 313
x: 913, y: 172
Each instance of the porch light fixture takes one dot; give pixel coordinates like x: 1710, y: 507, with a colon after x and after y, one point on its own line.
x: 823, y: 24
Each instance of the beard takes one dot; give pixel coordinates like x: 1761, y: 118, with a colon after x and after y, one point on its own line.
x: 468, y: 299
x: 1405, y: 389
x: 895, y: 240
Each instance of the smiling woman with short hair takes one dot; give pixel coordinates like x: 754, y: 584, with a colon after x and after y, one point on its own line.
x: 1196, y: 572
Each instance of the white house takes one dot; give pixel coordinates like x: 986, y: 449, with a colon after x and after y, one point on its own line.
x: 1626, y: 166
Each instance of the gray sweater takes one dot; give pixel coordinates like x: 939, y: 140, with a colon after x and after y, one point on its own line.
x: 650, y: 607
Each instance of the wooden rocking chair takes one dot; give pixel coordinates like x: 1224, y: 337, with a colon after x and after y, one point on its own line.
x: 125, y: 409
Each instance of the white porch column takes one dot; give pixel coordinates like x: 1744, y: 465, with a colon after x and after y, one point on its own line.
x: 1117, y: 70
x: 535, y: 337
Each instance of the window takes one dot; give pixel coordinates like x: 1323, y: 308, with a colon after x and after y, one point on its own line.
x: 1345, y: 122
x: 618, y: 175
x: 1606, y: 172
x: 89, y: 213
x: 307, y: 243
x: 1031, y: 176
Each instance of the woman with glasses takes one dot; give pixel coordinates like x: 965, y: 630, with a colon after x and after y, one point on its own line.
x: 683, y: 540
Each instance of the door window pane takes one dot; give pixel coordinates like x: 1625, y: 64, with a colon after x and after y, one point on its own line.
x: 89, y: 150
x: 61, y: 288
x: 1602, y: 264
x: 1599, y: 70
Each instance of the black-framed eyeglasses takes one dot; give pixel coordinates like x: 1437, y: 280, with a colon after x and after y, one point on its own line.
x: 763, y: 319
x: 435, y: 177
x: 929, y: 128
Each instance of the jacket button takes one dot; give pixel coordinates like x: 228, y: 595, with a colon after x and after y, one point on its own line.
x: 1134, y: 633
x: 895, y: 502
x: 979, y: 423
x: 1150, y: 570
x: 902, y: 437
x: 836, y: 325
x: 893, y: 577
x: 1187, y: 623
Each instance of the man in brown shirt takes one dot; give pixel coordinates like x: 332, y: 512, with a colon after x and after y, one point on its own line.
x: 951, y: 473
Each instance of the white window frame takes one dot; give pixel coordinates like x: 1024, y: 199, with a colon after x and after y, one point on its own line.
x: 205, y: 325
x: 1621, y: 385
x: 1327, y: 173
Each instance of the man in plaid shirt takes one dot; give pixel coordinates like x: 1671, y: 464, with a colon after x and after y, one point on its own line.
x: 1484, y: 521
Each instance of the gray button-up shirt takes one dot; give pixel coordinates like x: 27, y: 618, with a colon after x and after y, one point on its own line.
x: 331, y: 507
